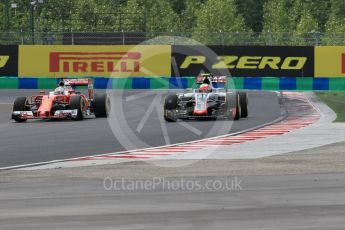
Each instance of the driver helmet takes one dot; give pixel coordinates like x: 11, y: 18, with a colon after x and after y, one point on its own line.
x: 60, y: 89
x: 206, y: 81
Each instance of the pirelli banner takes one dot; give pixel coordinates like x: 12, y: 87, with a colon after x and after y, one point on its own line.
x: 166, y: 61
x: 330, y: 61
x: 163, y: 60
x: 95, y: 61
x: 244, y: 61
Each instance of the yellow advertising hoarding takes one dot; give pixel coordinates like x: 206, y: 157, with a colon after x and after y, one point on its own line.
x: 98, y: 61
x: 329, y: 61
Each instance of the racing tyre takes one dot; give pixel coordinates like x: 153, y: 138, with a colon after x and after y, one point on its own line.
x: 238, y: 108
x: 19, y: 105
x: 244, y: 104
x: 233, y: 102
x: 101, y: 105
x: 170, y: 104
x: 77, y: 103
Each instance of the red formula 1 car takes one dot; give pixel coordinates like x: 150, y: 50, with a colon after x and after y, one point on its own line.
x: 63, y: 103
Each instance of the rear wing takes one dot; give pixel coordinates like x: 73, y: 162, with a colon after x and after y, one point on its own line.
x: 81, y: 82
x: 217, y: 82
x: 78, y: 82
x: 219, y: 79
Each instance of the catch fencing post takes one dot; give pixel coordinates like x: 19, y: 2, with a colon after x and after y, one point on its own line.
x: 173, y: 37
x: 221, y: 37
x: 269, y: 38
x: 72, y: 37
x: 21, y: 36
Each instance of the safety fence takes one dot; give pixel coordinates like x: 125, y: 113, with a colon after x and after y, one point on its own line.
x: 122, y: 37
x: 239, y: 83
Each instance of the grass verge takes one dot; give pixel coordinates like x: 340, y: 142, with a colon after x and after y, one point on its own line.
x: 335, y: 101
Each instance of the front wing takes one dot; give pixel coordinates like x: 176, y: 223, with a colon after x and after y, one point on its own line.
x: 59, y: 114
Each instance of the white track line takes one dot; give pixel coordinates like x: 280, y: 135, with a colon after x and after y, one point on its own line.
x: 195, y: 143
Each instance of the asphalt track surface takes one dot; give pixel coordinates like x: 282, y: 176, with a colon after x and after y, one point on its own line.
x: 39, y: 141
x: 311, y: 201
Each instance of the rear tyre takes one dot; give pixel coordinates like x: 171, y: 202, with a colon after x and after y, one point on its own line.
x: 170, y: 106
x: 19, y: 105
x: 229, y: 106
x: 244, y: 104
x: 77, y: 103
x: 101, y: 105
x: 238, y: 108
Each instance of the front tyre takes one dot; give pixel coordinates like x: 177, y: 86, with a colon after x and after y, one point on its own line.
x: 233, y: 107
x: 170, y: 106
x: 19, y: 105
x: 77, y: 103
x: 101, y: 105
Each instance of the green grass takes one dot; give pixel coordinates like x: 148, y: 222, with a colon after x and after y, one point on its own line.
x: 335, y: 101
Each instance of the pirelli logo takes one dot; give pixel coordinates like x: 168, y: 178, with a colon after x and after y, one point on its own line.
x: 342, y: 63
x: 244, y: 61
x: 3, y: 61
x: 248, y: 62
x: 94, y: 62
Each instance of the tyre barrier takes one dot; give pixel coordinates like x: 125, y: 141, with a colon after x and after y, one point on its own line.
x: 240, y: 83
